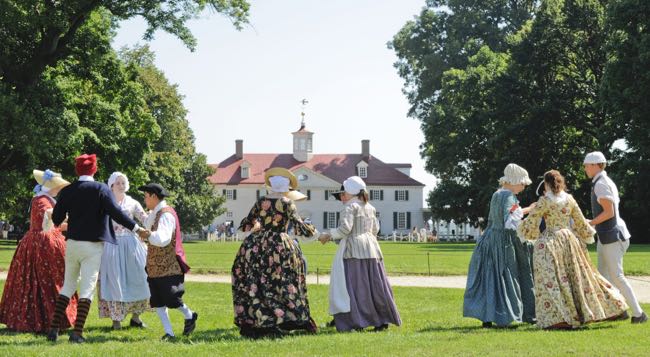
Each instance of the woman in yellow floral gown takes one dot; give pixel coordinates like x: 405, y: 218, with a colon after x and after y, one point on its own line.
x: 569, y: 291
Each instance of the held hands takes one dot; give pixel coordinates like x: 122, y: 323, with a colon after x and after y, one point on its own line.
x: 324, y: 238
x: 144, y: 234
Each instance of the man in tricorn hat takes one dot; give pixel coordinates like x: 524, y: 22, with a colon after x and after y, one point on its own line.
x: 166, y: 264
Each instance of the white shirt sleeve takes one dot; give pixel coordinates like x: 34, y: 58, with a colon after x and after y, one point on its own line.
x: 47, y: 220
x: 346, y: 221
x: 513, y: 219
x: 163, y: 235
x: 602, y: 190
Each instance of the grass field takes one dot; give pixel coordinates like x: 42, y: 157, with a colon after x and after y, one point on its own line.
x: 432, y: 325
x: 400, y: 258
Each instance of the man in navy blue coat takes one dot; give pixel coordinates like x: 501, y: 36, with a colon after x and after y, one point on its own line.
x: 89, y: 207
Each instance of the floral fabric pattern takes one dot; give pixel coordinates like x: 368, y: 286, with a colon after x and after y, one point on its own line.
x: 567, y: 286
x: 268, y: 274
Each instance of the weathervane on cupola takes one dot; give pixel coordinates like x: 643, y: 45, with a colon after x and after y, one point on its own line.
x: 303, y: 138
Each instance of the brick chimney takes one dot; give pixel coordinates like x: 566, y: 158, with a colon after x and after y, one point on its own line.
x: 365, y: 150
x: 239, y: 149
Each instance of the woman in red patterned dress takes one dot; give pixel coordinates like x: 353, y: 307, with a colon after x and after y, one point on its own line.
x: 37, y: 269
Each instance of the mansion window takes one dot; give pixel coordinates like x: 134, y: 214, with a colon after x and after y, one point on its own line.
x: 230, y: 194
x: 376, y: 195
x: 401, y: 195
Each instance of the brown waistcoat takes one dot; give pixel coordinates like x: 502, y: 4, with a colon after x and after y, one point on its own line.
x: 161, y: 261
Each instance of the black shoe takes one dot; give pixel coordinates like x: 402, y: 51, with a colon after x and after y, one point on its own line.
x: 53, y: 334
x: 136, y: 324
x: 380, y: 328
x: 622, y: 316
x: 168, y: 337
x: 190, y: 324
x: 641, y: 319
x: 74, y: 338
x: 331, y: 323
x: 487, y: 325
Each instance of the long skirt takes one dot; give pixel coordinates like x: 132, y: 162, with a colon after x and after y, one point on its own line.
x: 500, y: 280
x: 268, y: 284
x: 371, y: 297
x: 123, y: 287
x: 33, y: 283
x: 568, y: 289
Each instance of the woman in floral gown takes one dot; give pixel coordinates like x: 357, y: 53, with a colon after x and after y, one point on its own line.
x: 569, y: 292
x: 268, y: 276
x: 37, y: 268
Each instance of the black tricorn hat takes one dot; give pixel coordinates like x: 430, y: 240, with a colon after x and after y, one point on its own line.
x: 155, y: 188
x: 337, y: 194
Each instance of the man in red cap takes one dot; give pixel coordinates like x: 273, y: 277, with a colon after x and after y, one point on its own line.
x: 89, y: 206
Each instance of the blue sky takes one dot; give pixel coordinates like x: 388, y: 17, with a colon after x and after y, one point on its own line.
x: 248, y: 84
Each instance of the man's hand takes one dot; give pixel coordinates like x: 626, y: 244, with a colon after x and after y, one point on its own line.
x: 324, y: 238
x: 144, y: 234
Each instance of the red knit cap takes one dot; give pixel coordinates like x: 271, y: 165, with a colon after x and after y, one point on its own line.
x: 86, y: 164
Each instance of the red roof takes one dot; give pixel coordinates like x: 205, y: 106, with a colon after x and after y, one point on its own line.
x: 337, y: 167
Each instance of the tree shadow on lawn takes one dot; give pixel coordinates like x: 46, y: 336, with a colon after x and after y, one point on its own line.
x: 518, y: 327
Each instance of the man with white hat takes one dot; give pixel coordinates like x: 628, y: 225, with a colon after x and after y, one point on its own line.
x: 613, y: 236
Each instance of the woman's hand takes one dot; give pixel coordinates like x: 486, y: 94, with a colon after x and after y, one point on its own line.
x: 529, y: 208
x: 324, y: 238
x: 256, y: 227
x: 64, y: 226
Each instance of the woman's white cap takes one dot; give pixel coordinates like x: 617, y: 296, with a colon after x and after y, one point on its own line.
x: 515, y: 175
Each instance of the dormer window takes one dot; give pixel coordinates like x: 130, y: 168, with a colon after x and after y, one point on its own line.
x: 245, y: 170
x: 362, y: 169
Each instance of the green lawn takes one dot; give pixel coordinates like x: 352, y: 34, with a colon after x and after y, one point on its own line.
x: 432, y: 326
x: 400, y: 258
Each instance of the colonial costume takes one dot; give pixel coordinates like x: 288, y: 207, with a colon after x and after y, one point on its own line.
x: 613, y: 236
x: 166, y: 263
x: 88, y: 206
x: 36, y: 272
x: 123, y: 287
x: 360, y: 294
x: 268, y: 277
x: 500, y: 280
x: 568, y: 290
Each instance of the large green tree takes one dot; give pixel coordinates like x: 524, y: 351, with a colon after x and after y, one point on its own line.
x: 63, y: 91
x: 525, y: 92
x: 626, y: 96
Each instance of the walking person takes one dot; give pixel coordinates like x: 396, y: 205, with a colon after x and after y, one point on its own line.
x: 37, y: 269
x: 569, y: 292
x: 500, y: 279
x: 123, y: 287
x: 360, y: 294
x: 88, y: 205
x: 613, y: 236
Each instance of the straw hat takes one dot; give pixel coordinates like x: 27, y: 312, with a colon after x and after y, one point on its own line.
x: 280, y: 171
x: 515, y: 175
x: 296, y: 196
x: 49, y: 179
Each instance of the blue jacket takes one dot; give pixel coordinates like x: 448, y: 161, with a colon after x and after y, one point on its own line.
x: 90, y: 206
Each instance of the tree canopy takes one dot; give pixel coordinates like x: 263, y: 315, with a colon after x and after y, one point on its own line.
x: 538, y: 83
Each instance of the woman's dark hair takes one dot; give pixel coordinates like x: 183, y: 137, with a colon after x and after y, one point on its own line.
x: 555, y: 181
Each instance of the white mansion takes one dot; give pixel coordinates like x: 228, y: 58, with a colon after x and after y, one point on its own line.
x: 396, y: 196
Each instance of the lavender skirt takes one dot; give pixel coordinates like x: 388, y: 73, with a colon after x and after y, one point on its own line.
x: 371, y: 297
